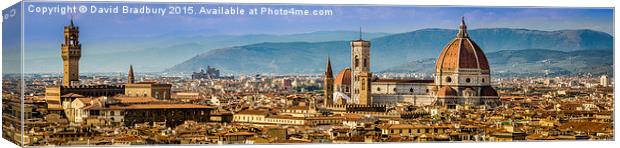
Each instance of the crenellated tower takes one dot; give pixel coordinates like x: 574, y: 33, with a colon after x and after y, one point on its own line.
x: 71, y: 52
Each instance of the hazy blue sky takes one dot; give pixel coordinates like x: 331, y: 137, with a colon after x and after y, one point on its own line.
x: 394, y: 19
x: 43, y: 33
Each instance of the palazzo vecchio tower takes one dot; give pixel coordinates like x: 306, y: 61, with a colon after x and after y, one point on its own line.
x: 71, y: 53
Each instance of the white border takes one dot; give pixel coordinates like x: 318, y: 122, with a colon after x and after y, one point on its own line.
x: 518, y: 3
x: 544, y: 3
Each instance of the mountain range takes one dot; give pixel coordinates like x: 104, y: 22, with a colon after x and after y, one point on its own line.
x: 531, y: 62
x: 390, y: 53
x: 155, y: 53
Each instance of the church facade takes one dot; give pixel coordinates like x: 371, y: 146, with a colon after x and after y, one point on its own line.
x: 462, y: 78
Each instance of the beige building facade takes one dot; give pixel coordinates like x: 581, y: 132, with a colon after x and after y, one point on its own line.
x: 148, y: 89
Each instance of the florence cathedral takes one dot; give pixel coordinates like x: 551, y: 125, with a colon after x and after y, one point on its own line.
x: 462, y: 78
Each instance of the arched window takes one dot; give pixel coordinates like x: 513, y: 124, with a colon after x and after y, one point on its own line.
x: 482, y: 80
x: 378, y: 88
x: 365, y: 62
x: 448, y: 79
x: 71, y: 40
x: 363, y: 85
x: 357, y: 61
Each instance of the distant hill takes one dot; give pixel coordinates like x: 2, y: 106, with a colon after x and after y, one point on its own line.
x: 159, y: 52
x: 532, y: 62
x: 540, y: 61
x: 426, y: 66
x: 387, y: 52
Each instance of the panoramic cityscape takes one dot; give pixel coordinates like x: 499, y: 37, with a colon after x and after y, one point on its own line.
x: 362, y: 94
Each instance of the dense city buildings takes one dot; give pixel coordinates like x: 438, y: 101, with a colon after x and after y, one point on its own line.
x: 460, y: 102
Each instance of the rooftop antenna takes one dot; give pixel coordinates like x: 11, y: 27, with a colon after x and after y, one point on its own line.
x: 360, y: 32
x: 71, y: 19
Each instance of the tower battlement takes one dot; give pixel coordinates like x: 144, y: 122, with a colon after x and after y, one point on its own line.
x: 71, y: 52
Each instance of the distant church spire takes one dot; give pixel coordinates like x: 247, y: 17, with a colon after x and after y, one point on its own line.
x: 328, y: 70
x: 462, y: 29
x: 328, y: 84
x: 130, y: 77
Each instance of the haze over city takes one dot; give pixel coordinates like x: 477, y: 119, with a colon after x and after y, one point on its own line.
x: 128, y: 34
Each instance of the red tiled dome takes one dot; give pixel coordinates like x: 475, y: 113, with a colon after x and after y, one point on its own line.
x: 462, y: 52
x: 344, y: 77
x: 488, y: 91
x: 446, y: 91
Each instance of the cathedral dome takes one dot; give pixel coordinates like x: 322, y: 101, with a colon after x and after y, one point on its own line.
x: 344, y: 77
x: 445, y: 91
x: 462, y: 53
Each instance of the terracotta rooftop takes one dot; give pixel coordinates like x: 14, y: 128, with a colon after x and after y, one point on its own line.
x: 410, y: 126
x: 326, y: 118
x: 167, y: 106
x: 133, y: 100
x: 253, y: 112
x: 297, y: 108
x: 85, y: 100
x: 72, y: 95
x: 446, y: 91
x: 239, y: 134
x: 585, y: 126
x: 287, y: 117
